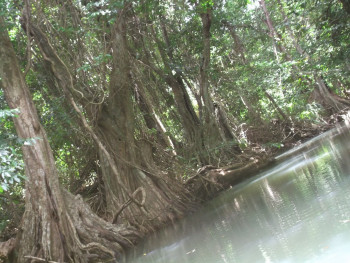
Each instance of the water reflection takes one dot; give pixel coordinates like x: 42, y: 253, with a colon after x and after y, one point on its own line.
x: 299, y: 211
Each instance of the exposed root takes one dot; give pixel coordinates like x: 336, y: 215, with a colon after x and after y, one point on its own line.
x: 90, y: 245
x: 6, y: 248
x: 210, y: 180
x: 129, y: 201
x: 41, y: 259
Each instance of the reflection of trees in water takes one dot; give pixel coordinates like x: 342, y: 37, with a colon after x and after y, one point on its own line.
x: 314, y: 198
x: 285, y: 211
x: 288, y: 215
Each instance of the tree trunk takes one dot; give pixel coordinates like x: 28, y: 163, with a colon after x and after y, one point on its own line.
x: 189, y: 119
x: 274, y: 35
x: 211, y: 131
x: 238, y: 45
x: 56, y: 225
x: 137, y: 193
x: 163, y: 197
x: 145, y: 94
x: 151, y: 119
x: 329, y: 100
x: 179, y: 75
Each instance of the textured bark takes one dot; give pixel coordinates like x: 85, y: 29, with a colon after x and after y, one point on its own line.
x: 210, y: 127
x: 152, y: 120
x: 179, y: 75
x: 136, y: 193
x: 44, y: 203
x: 214, y: 121
x: 56, y: 225
x: 323, y: 95
x: 6, y: 248
x: 162, y: 197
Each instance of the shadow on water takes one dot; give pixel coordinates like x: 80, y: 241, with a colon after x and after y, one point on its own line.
x: 298, y: 211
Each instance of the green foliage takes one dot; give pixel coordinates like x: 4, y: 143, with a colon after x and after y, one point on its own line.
x: 245, y: 65
x: 206, y: 4
x: 11, y: 164
x: 11, y: 167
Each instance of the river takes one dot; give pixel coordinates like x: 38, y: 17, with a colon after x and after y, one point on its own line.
x: 297, y: 211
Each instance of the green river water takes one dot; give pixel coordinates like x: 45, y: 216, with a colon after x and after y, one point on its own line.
x: 297, y: 211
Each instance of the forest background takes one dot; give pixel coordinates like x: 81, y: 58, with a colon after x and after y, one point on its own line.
x: 127, y: 115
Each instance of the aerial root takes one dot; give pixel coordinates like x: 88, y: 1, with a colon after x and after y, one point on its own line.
x: 90, y: 245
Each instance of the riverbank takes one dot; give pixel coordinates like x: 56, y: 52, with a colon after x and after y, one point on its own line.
x: 209, y: 180
x: 296, y: 211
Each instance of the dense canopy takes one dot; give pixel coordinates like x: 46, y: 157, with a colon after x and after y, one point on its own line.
x: 128, y: 114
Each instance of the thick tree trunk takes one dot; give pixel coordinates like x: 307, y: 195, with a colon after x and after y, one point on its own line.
x: 136, y: 193
x: 210, y: 127
x: 179, y: 75
x: 56, y: 225
x: 162, y: 198
x: 214, y: 122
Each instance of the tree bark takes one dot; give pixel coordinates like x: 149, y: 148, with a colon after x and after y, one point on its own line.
x: 210, y: 127
x: 190, y: 122
x: 151, y: 119
x: 56, y: 225
x: 164, y: 197
x: 137, y: 193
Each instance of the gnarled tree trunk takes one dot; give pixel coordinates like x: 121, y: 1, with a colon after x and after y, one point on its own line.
x: 56, y: 225
x: 137, y: 193
x: 160, y: 197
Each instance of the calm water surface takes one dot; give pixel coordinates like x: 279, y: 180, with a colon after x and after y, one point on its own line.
x: 298, y: 211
